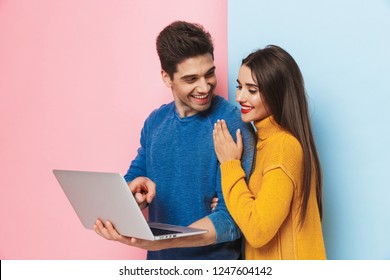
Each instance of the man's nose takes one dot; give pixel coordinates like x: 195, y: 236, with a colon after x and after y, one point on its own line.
x: 203, y: 86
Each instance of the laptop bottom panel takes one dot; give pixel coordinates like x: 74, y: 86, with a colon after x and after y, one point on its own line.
x: 165, y: 231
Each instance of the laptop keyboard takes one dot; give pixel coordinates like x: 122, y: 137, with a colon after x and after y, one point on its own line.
x: 160, y: 231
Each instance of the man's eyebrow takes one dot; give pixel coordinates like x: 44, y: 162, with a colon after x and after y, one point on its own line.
x: 212, y: 69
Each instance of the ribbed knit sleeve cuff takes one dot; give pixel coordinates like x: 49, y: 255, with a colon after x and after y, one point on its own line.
x: 231, y: 172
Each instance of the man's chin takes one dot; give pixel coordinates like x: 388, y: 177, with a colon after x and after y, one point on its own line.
x: 204, y: 106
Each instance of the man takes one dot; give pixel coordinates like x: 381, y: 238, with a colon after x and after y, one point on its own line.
x: 176, y: 160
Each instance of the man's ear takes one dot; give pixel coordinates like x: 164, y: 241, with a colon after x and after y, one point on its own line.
x: 166, y: 79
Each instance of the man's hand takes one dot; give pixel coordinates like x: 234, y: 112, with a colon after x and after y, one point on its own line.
x: 107, y: 231
x: 144, y: 190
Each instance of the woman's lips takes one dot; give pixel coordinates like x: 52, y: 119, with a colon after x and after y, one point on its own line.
x: 246, y: 109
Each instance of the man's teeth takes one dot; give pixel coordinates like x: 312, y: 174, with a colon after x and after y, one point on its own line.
x: 200, y: 96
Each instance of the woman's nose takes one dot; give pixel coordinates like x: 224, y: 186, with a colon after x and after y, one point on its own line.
x: 240, y: 97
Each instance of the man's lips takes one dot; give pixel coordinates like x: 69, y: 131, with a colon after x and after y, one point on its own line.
x: 201, y: 98
x: 246, y: 109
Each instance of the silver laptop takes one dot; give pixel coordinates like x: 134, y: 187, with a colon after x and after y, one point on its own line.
x: 107, y: 196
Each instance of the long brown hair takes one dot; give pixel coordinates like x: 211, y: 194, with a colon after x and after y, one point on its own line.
x: 282, y: 88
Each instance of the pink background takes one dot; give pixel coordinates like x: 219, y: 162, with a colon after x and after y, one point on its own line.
x: 77, y: 80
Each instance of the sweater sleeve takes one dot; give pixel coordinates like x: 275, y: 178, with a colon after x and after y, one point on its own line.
x: 138, y: 165
x: 225, y: 227
x: 260, y: 217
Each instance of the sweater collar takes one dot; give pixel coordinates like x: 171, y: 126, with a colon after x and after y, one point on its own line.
x: 266, y: 128
x: 216, y: 99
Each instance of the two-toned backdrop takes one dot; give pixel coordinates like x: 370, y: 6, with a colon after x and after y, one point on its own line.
x: 78, y: 78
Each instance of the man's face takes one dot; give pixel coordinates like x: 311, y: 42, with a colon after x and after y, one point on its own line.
x: 193, y: 84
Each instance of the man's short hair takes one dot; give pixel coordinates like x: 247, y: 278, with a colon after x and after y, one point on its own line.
x: 181, y: 40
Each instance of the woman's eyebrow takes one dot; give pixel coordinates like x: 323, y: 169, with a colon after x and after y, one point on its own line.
x: 248, y: 84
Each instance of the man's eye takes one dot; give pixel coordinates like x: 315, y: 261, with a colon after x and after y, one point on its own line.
x: 190, y: 80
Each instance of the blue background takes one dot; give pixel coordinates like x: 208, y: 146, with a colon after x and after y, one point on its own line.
x: 343, y: 50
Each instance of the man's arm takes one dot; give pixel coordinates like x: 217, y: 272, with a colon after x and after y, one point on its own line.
x: 219, y: 224
x: 142, y: 187
x: 108, y: 232
x: 138, y: 164
x: 225, y: 227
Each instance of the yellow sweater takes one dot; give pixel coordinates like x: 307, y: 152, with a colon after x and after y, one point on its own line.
x: 267, y: 211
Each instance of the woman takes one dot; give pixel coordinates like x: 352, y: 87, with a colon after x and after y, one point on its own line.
x: 279, y: 210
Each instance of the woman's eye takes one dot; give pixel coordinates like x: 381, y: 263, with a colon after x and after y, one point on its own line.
x: 252, y: 91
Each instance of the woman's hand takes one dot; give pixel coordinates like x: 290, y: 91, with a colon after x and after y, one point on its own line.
x: 224, y: 145
x: 214, y: 203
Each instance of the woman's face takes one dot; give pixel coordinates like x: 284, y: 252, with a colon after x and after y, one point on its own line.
x: 253, y: 108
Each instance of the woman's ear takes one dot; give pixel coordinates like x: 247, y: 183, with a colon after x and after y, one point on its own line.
x: 166, y: 79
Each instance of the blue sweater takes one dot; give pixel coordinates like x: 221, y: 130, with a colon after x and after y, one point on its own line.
x: 178, y: 155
